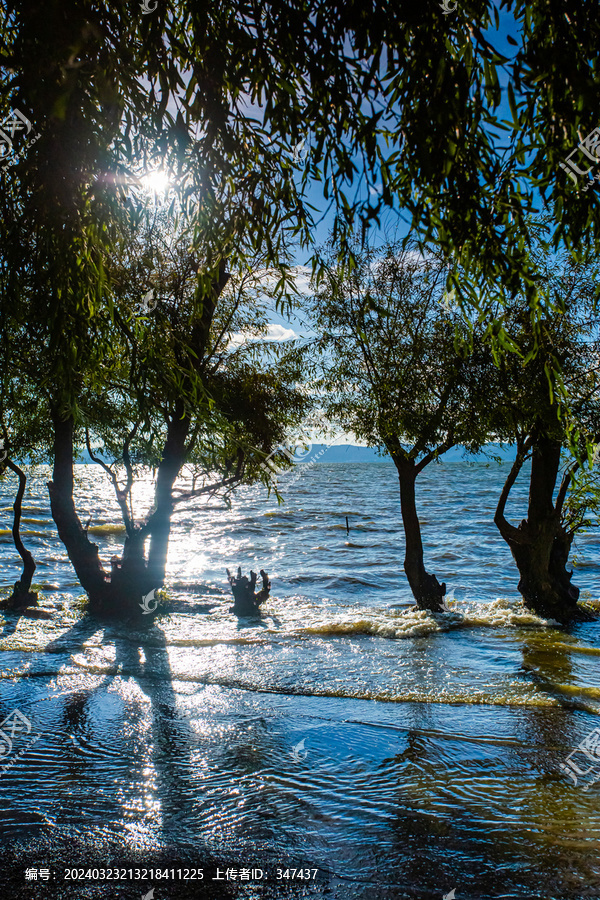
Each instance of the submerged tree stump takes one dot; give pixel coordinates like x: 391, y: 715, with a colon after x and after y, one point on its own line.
x: 246, y: 601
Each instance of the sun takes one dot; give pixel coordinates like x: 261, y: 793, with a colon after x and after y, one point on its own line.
x: 157, y: 181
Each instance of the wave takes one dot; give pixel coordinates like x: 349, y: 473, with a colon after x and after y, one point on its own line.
x: 108, y: 528
x: 416, y: 623
x: 437, y: 694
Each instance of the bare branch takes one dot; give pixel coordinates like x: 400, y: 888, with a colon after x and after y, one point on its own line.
x: 120, y: 494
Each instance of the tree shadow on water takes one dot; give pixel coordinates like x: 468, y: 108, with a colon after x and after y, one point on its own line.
x: 117, y: 775
x: 96, y: 790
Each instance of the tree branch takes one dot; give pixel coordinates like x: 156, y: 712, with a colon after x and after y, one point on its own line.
x: 429, y: 457
x: 121, y: 495
x: 508, y: 531
x: 215, y: 486
x: 564, y: 487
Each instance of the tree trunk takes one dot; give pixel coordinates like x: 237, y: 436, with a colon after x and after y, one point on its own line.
x: 132, y: 577
x: 426, y: 589
x: 540, y: 545
x: 21, y: 596
x: 129, y: 575
x: 160, y: 521
x: 81, y: 551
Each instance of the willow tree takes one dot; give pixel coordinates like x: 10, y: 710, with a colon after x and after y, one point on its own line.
x: 181, y: 384
x: 527, y: 413
x: 205, y: 390
x: 396, y: 372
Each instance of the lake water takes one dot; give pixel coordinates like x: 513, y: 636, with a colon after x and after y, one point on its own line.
x: 398, y: 754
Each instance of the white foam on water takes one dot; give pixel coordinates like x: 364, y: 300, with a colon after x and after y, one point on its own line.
x: 417, y: 623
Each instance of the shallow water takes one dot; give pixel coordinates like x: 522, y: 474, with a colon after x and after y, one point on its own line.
x: 400, y: 754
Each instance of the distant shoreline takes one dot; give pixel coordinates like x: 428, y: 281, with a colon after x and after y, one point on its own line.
x: 345, y: 453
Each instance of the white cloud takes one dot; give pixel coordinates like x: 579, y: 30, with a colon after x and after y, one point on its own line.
x: 275, y: 332
x: 302, y: 276
x: 279, y: 333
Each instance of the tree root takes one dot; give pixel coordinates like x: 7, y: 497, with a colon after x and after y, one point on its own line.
x: 19, y: 599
